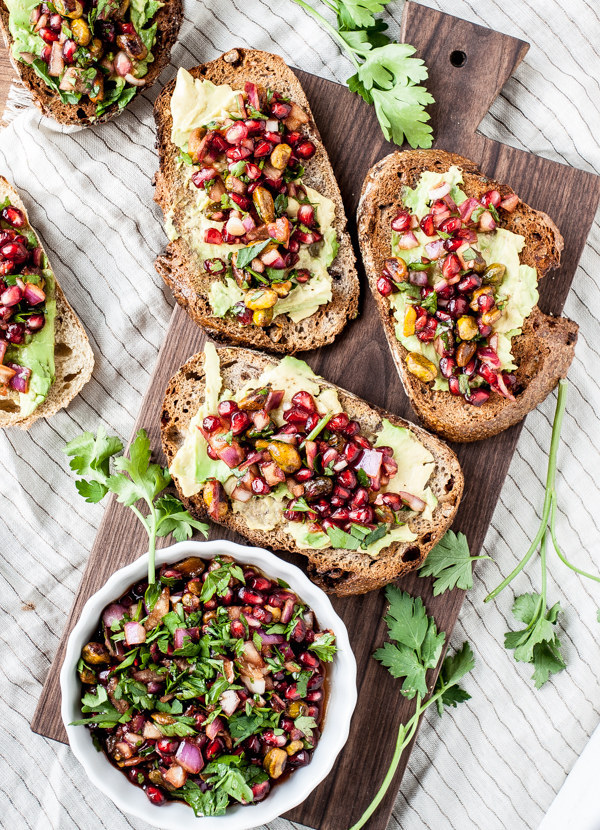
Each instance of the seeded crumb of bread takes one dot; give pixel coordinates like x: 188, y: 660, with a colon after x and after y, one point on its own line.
x: 545, y: 348
x: 181, y: 268
x: 337, y: 571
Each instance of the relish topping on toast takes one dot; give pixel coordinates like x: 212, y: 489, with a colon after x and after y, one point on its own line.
x: 457, y: 287
x: 86, y: 50
x: 265, y: 237
x: 282, y: 453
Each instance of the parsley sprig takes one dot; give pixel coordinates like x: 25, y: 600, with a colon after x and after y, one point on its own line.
x: 135, y: 479
x: 538, y: 643
x: 417, y: 646
x: 450, y: 563
x: 386, y: 73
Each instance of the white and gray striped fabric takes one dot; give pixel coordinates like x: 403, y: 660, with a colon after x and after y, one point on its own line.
x: 495, y: 762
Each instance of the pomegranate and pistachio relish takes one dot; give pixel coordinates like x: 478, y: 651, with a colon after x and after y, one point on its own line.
x: 27, y: 306
x: 214, y: 694
x: 94, y: 49
x: 456, y: 305
x: 263, y: 235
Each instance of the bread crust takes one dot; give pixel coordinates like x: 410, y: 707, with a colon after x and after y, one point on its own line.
x: 181, y: 268
x: 545, y: 349
x: 73, y: 356
x: 169, y: 19
x: 339, y: 572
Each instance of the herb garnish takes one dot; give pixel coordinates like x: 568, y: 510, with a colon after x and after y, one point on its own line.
x: 450, y: 563
x: 387, y: 75
x: 417, y: 647
x: 136, y: 480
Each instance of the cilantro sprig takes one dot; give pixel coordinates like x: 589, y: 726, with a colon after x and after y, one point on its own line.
x: 135, y: 479
x: 538, y: 642
x: 387, y: 75
x: 450, y: 563
x: 416, y: 647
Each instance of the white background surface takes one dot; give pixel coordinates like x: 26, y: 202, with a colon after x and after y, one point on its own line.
x: 494, y: 763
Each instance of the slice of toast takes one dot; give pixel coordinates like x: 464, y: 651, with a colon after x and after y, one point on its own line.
x: 83, y: 114
x: 544, y: 350
x: 73, y: 356
x: 182, y: 269
x: 337, y: 571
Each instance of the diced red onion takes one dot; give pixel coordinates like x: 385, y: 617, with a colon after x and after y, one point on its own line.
x: 253, y: 458
x: 270, y: 639
x: 179, y: 636
x: 34, y: 294
x: 370, y: 462
x: 248, y: 222
x: 414, y: 502
x: 135, y: 633
x: 20, y: 380
x: 510, y: 203
x: 287, y: 612
x: 274, y: 399
x: 440, y: 191
x: 487, y: 221
x: 135, y: 81
x: 213, y: 728
x: 407, y: 241
x: 240, y: 494
x: 189, y: 757
x: 467, y: 207
x: 3, y: 348
x: 435, y: 249
x: 112, y: 614
x: 229, y: 702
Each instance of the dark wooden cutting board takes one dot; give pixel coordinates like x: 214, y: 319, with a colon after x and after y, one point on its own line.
x: 468, y: 66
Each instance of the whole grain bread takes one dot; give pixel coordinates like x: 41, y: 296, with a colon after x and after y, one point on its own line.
x: 182, y: 269
x: 73, y: 356
x: 82, y: 114
x: 341, y: 572
x: 545, y: 348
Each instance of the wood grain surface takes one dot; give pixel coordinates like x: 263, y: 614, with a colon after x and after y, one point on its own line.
x: 360, y: 361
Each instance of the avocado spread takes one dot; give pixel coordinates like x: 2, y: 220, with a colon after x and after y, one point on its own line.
x: 192, y: 466
x: 199, y: 104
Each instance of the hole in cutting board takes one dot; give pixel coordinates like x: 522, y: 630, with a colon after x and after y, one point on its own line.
x: 458, y: 58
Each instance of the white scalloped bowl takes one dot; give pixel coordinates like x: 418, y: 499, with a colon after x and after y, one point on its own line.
x: 284, y: 797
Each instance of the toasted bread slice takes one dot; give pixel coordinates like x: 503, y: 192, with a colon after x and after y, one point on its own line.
x: 73, y: 356
x: 338, y: 571
x: 83, y: 114
x: 544, y: 350
x: 182, y: 269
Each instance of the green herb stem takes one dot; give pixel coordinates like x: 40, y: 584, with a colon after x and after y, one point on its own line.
x: 549, y: 495
x: 561, y: 555
x: 332, y: 31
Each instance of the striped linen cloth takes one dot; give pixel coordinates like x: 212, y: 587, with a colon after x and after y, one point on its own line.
x: 495, y: 762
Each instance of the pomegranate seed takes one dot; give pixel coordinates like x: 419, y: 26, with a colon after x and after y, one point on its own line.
x: 260, y: 791
x: 291, y: 693
x: 252, y: 744
x: 263, y: 148
x: 36, y: 322
x: 305, y: 400
x: 261, y: 583
x: 213, y: 236
x: 469, y: 283
x: 485, y: 302
x: 309, y: 660
x: 55, y: 22
x: 362, y: 515
x: 306, y: 150
x: 347, y: 478
x: 304, y: 475
x: 236, y: 133
x: 450, y: 266
x: 443, y: 316
x: 362, y: 442
x: 384, y: 286
x: 469, y: 369
x: 360, y: 498
x: 46, y: 52
x: 477, y: 397
x: 392, y: 500
x: 352, y: 453
x: 492, y: 197
x: 13, y: 216
x: 260, y: 487
x: 352, y: 429
x: 401, y: 222
x: 254, y: 126
x: 227, y: 408
x: 454, y: 385
x: 241, y: 201
x: 452, y: 244
x: 427, y: 333
x: 457, y: 306
x: 322, y: 507
x: 314, y: 683
x: 237, y: 629
x: 426, y: 225
x: 280, y: 109
x: 15, y: 333
x: 211, y: 453
x: 299, y: 632
x: 342, y: 493
x: 211, y: 424
x: 306, y: 215
x: 484, y: 330
x: 451, y: 225
x: 15, y: 251
x: 218, y: 143
x: 11, y: 296
x: 155, y: 796
x: 339, y: 422
x: 167, y: 747
x: 48, y: 35
x: 300, y: 759
x: 487, y: 374
x: 214, y: 748
x: 251, y: 597
x: 447, y: 365
x: 269, y: 738
x: 238, y: 153
x: 240, y: 421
